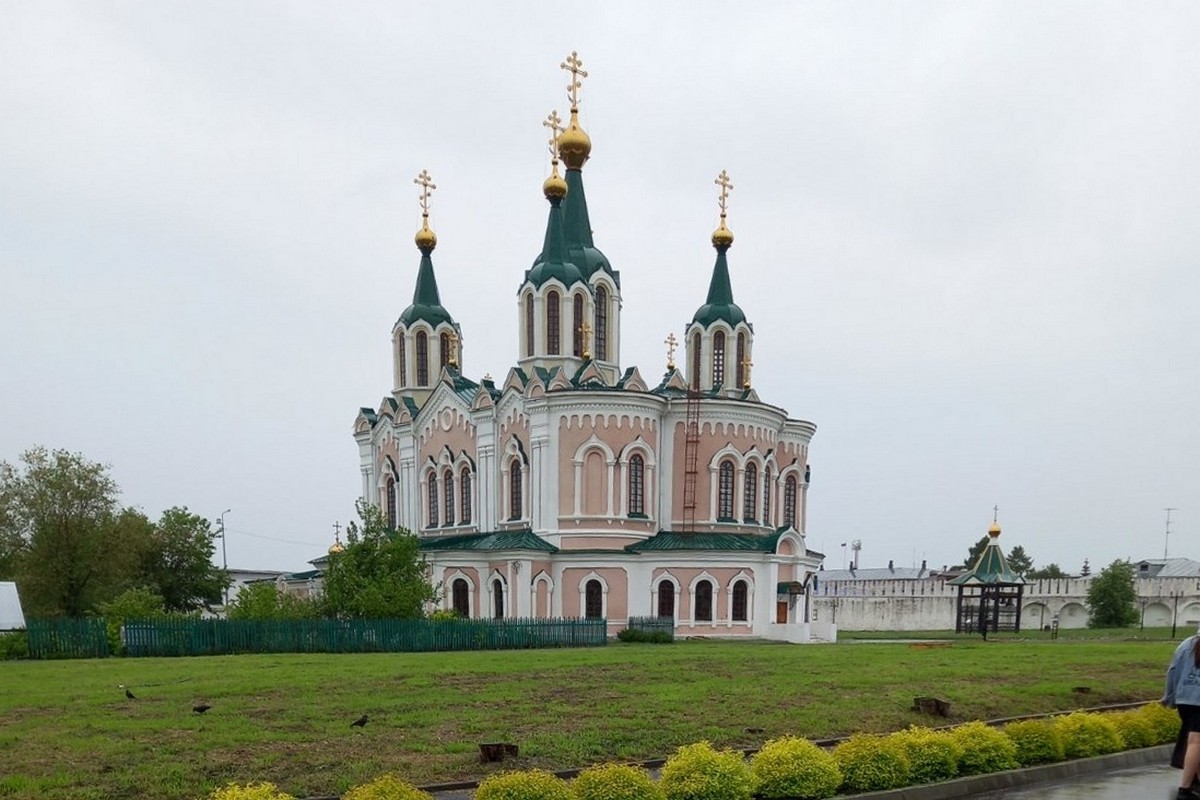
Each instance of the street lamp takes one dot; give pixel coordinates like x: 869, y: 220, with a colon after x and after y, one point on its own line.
x: 224, y: 559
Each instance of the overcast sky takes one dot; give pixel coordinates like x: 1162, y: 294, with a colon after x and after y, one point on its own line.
x: 966, y: 237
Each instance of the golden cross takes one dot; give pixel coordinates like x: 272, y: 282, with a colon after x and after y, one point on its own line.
x: 452, y: 360
x: 427, y: 185
x: 746, y: 365
x: 554, y: 123
x: 574, y: 65
x: 587, y: 345
x: 726, y: 187
x: 671, y: 342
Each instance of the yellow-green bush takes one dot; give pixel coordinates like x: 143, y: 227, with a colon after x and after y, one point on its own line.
x: 794, y: 768
x: 1133, y: 728
x: 1087, y: 735
x: 871, y: 763
x: 253, y: 791
x: 534, y: 784
x: 388, y: 787
x: 1164, y: 721
x: 1038, y: 741
x: 698, y: 772
x: 616, y: 782
x: 932, y: 755
x: 984, y: 749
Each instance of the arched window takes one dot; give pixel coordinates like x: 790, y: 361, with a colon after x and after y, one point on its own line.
x: 750, y: 495
x: 515, y: 495
x: 448, y: 499
x: 740, y: 593
x: 704, y: 593
x: 741, y: 360
x: 637, y: 486
x: 462, y: 597
x: 577, y: 325
x: 718, y: 359
x: 789, y: 501
x: 593, y: 605
x: 444, y: 349
x: 695, y: 376
x: 497, y: 599
x: 666, y: 599
x: 766, y: 518
x: 529, y: 326
x: 601, y: 347
x: 552, y: 329
x: 464, y: 489
x: 433, y: 503
x: 401, y: 359
x: 725, y: 492
x: 390, y: 500
x: 422, y: 359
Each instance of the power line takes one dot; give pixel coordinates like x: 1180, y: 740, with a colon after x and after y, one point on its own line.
x: 272, y: 538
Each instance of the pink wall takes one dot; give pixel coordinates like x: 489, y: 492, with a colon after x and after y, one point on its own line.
x: 618, y: 590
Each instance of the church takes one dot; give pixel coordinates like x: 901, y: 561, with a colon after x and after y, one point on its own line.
x: 574, y: 487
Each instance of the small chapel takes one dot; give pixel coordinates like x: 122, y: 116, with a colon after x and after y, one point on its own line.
x: 575, y: 487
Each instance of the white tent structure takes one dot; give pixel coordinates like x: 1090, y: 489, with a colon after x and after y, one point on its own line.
x: 11, y: 618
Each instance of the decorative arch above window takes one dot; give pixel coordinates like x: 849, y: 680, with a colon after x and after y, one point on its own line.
x: 702, y: 611
x: 601, y: 332
x: 553, y: 332
x: 422, y: 359
x: 593, y: 604
x: 718, y: 359
x: 461, y: 597
x: 725, y: 492
x: 741, y: 593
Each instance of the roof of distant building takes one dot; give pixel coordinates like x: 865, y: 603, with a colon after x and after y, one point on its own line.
x: 1167, y: 568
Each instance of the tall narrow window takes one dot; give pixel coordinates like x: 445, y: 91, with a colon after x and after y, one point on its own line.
x: 391, y: 501
x: 497, y: 599
x: 741, y: 360
x: 789, y: 501
x: 515, y: 495
x: 740, y: 593
x: 577, y: 325
x: 444, y: 349
x: 695, y: 376
x: 529, y: 326
x: 593, y: 604
x: 750, y: 495
x: 725, y: 492
x: 552, y: 329
x: 666, y: 599
x: 601, y: 346
x: 448, y: 499
x: 637, y: 486
x: 422, y: 359
x: 462, y: 598
x: 401, y: 366
x: 433, y: 503
x: 703, y: 610
x: 766, y: 518
x: 718, y: 359
x: 464, y: 489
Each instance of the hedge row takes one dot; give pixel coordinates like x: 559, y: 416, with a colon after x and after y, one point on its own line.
x: 796, y: 769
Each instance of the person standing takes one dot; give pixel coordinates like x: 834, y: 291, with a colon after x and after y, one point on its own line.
x: 1183, y: 694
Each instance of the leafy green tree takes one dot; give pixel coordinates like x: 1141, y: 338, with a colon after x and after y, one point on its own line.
x: 1047, y: 572
x: 177, y: 561
x: 975, y: 552
x: 1019, y: 560
x: 381, y: 573
x: 1112, y: 597
x: 262, y: 600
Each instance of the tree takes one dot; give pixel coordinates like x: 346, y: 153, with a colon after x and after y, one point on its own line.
x: 67, y: 545
x: 381, y: 573
x: 1047, y: 572
x: 177, y: 561
x: 1112, y: 597
x: 1019, y: 560
x: 976, y: 551
x: 263, y: 601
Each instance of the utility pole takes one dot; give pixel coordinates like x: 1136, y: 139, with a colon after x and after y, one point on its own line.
x: 224, y: 558
x: 1167, y: 537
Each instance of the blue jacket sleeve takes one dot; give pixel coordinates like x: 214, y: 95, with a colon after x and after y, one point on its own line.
x: 1182, y: 651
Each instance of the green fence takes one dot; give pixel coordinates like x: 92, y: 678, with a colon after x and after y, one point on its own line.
x: 67, y: 638
x: 653, y: 625
x: 219, y: 636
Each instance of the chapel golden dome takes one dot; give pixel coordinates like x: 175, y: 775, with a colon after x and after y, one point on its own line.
x: 426, y: 239
x: 574, y: 145
x: 555, y: 188
x: 336, y: 547
x: 722, y: 236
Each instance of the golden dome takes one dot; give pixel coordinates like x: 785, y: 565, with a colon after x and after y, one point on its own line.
x: 722, y: 236
x: 426, y: 239
x: 554, y: 187
x: 994, y: 530
x: 574, y: 145
x: 337, y: 547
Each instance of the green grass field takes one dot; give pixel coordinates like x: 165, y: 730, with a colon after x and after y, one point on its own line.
x: 69, y: 732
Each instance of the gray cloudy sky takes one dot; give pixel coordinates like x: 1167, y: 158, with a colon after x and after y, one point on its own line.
x: 966, y: 237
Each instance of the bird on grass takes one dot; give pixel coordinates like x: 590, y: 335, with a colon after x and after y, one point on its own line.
x: 200, y: 708
x: 129, y: 695
x: 361, y: 722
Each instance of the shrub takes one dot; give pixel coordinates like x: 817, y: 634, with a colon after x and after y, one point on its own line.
x: 534, y: 784
x: 1087, y: 735
x: 1133, y: 728
x: 698, y: 772
x: 445, y: 615
x: 985, y: 749
x: 871, y: 763
x: 388, y: 787
x: 616, y: 782
x: 794, y: 768
x: 653, y: 637
x: 14, y: 645
x: 1038, y: 741
x: 932, y: 755
x: 253, y: 791
x: 1163, y: 721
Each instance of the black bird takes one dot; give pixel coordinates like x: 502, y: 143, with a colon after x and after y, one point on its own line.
x: 200, y: 708
x: 361, y: 722
x: 129, y: 694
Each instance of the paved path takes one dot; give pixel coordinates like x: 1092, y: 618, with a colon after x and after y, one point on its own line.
x: 1127, y: 784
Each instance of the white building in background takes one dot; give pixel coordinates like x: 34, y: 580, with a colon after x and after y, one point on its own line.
x: 11, y: 616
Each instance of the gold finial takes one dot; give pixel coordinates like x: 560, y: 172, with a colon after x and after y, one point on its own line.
x: 574, y: 145
x: 452, y: 359
x: 746, y: 365
x: 554, y: 186
x: 426, y: 239
x: 671, y: 342
x: 722, y: 236
x: 587, y: 339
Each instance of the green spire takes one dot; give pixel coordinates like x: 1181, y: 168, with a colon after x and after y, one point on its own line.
x: 426, y: 303
x: 578, y: 227
x: 720, y: 305
x: 554, y: 262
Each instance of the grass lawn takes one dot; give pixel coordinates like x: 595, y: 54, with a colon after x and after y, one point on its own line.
x: 69, y: 732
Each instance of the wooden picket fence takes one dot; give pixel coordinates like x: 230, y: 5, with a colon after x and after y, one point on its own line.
x: 65, y: 637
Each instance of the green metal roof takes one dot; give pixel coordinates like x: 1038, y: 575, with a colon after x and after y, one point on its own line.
x: 991, y: 568
x: 720, y: 305
x: 523, y: 539
x: 426, y: 303
x: 554, y: 262
x: 746, y: 542
x: 577, y: 227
